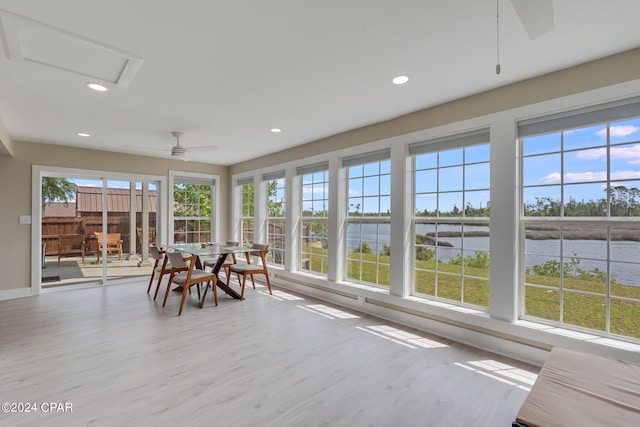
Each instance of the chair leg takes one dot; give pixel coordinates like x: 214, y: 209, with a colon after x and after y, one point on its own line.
x: 166, y: 294
x: 158, y: 286
x: 253, y: 282
x: 215, y: 292
x: 184, y: 294
x: 268, y: 283
x: 153, y: 273
x: 199, y: 290
x: 244, y: 279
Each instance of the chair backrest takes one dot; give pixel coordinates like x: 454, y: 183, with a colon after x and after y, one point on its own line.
x: 111, y: 237
x: 232, y: 243
x: 155, y: 253
x: 70, y: 240
x: 176, y: 260
x: 259, y: 250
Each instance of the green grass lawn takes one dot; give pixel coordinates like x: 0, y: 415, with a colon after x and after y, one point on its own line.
x: 588, y: 311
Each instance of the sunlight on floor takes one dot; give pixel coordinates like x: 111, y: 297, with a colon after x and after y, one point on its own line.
x: 404, y: 338
x: 328, y: 312
x: 501, y: 372
x: 280, y: 295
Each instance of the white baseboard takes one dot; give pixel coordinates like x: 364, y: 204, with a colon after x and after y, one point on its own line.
x: 15, y: 293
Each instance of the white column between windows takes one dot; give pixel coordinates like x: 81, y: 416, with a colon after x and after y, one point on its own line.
x: 503, y: 245
x: 401, y: 239
x: 337, y: 220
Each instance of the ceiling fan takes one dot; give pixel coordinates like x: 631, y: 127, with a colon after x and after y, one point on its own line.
x: 536, y: 16
x: 180, y: 151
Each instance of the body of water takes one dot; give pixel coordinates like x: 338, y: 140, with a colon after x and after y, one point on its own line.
x: 590, y: 253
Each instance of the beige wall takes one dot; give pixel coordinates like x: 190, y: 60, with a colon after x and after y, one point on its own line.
x: 596, y: 74
x: 15, y: 194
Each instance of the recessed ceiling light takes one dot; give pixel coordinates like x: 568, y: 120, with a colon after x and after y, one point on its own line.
x: 83, y: 134
x: 276, y: 130
x: 400, y: 80
x: 97, y: 87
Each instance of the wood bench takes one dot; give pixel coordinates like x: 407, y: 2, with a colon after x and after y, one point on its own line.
x: 114, y: 244
x: 70, y: 244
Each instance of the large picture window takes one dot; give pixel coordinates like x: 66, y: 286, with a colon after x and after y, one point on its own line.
x: 369, y: 218
x: 581, y: 216
x: 193, y: 210
x: 246, y: 210
x: 451, y: 218
x: 276, y: 207
x: 314, y: 219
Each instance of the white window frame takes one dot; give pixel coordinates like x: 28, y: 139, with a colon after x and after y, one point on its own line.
x: 463, y: 141
x: 195, y: 178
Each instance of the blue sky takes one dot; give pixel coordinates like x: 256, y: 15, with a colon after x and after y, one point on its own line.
x: 110, y: 183
x: 584, y: 168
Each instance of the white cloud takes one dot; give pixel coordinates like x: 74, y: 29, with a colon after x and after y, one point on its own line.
x: 622, y: 131
x: 595, y: 154
x: 625, y: 175
x: 619, y: 131
x: 585, y: 177
x: 630, y: 153
x: 554, y: 178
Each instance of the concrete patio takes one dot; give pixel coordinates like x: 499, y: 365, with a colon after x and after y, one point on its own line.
x: 73, y: 271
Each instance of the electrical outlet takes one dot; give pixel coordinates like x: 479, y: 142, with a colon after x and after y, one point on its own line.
x: 25, y: 219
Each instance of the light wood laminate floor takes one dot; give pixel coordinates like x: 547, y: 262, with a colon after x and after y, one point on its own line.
x: 120, y: 359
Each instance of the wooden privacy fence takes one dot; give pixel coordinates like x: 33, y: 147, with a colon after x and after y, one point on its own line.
x: 52, y: 227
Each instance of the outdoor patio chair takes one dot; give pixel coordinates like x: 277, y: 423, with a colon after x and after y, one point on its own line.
x: 249, y: 269
x: 184, y: 273
x: 70, y: 244
x: 114, y: 244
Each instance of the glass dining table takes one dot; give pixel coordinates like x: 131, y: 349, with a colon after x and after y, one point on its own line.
x: 217, y: 251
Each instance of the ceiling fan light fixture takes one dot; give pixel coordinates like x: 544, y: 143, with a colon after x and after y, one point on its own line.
x: 178, y: 151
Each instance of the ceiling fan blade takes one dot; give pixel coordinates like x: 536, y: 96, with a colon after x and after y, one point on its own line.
x: 536, y: 16
x: 203, y: 148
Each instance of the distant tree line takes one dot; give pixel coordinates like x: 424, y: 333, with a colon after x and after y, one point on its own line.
x: 469, y: 211
x: 623, y: 201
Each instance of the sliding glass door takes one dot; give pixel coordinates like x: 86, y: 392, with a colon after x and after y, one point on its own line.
x: 95, y: 229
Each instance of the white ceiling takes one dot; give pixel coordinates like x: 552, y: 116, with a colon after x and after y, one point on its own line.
x: 227, y: 71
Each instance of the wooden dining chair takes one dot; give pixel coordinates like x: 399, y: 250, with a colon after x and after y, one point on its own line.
x: 158, y: 256
x: 163, y: 269
x: 247, y: 269
x: 184, y: 273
